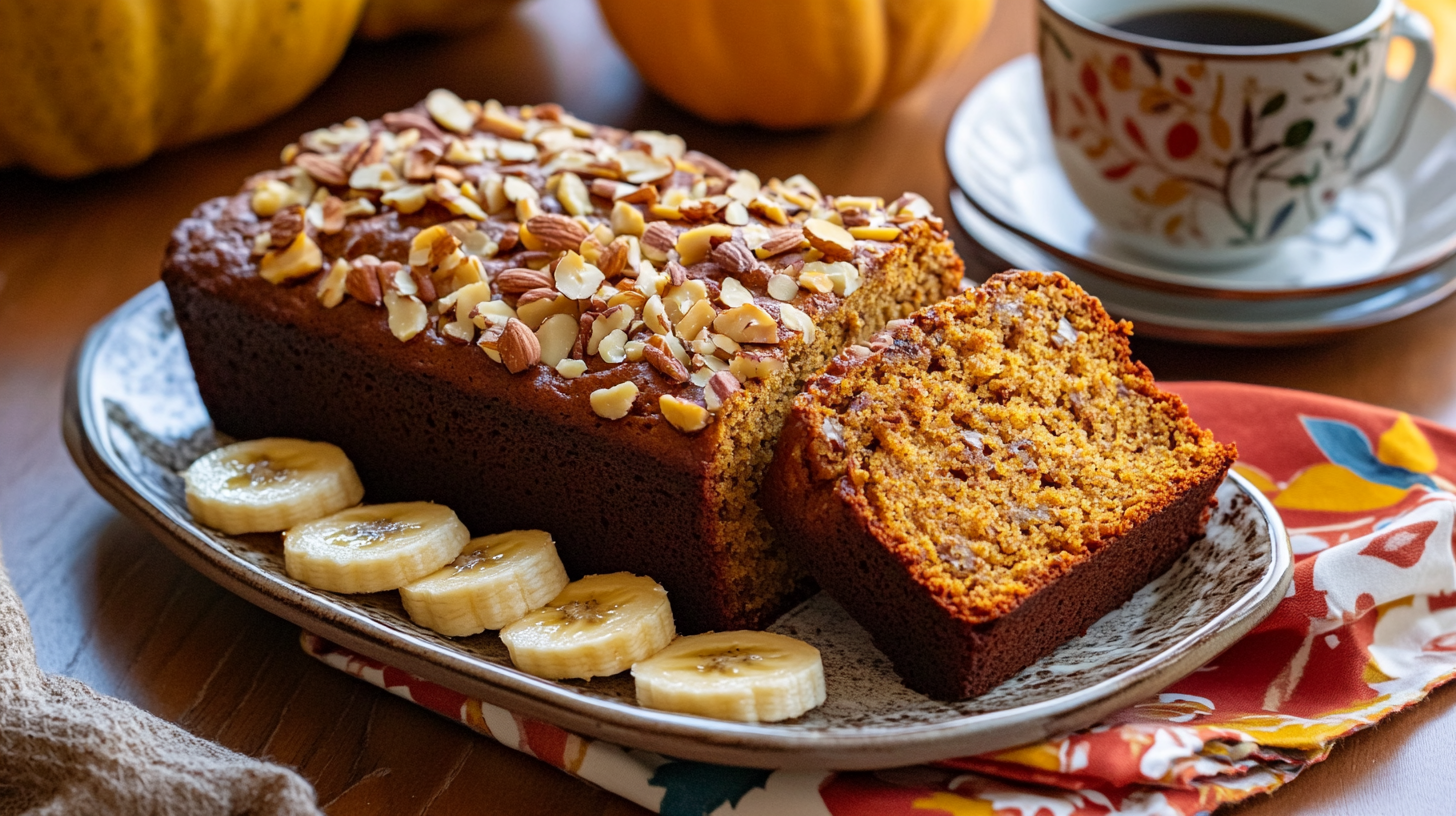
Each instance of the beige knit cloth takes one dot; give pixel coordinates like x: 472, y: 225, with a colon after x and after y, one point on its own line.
x: 64, y: 749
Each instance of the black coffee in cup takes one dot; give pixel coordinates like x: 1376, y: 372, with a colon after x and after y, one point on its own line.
x: 1214, y: 25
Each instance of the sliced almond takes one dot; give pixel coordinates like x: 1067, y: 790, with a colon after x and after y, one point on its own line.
x: 886, y: 234
x: 538, y: 305
x: 782, y: 287
x: 331, y: 286
x: 557, y: 233
x: 615, y: 402
x: 733, y: 293
x: 748, y: 324
x: 694, y: 245
x: 688, y: 417
x: 520, y: 280
x: 697, y: 318
x: 576, y: 278
x: 407, y: 315
x: 556, y: 336
x: 829, y: 238
x: 798, y: 321
x: 449, y: 110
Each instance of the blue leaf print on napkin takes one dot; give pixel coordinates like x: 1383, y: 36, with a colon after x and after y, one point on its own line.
x: 697, y: 789
x: 1345, y: 445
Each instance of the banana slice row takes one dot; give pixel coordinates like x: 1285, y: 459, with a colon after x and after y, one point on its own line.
x: 745, y: 676
x: 515, y: 582
x: 269, y: 485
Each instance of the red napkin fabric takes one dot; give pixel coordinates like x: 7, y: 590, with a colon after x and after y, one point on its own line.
x: 1368, y: 628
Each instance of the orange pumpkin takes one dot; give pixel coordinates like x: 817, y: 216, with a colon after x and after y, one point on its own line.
x: 791, y: 63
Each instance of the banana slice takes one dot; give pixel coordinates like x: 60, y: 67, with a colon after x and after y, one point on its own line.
x: 744, y: 676
x: 597, y: 626
x: 375, y: 547
x: 496, y: 581
x: 267, y: 485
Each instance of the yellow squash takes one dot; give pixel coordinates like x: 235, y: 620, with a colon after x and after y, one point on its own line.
x: 791, y: 63
x: 91, y: 84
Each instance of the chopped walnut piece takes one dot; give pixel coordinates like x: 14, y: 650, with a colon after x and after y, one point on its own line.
x: 285, y: 226
x: 556, y: 233
x: 720, y: 387
x: 615, y: 402
x: 519, y: 349
x: 302, y: 257
x: 688, y: 417
x: 331, y: 286
x: 748, y: 324
x: 734, y: 257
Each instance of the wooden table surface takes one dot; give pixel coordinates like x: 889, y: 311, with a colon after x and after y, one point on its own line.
x: 111, y: 606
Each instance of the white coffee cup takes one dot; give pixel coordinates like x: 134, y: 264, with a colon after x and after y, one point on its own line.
x: 1211, y: 155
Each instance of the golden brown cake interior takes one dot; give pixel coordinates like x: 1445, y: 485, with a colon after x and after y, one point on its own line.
x: 760, y: 570
x: 1003, y: 437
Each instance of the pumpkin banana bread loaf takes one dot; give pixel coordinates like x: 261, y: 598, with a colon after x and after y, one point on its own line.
x: 988, y: 478
x: 547, y: 324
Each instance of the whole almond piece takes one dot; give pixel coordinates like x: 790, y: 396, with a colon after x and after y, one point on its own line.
x: 521, y: 280
x: 734, y: 257
x: 661, y: 358
x: 658, y: 239
x: 781, y: 242
x: 322, y: 168
x: 557, y: 233
x: 613, y: 259
x: 285, y: 225
x: 518, y: 346
x: 362, y: 284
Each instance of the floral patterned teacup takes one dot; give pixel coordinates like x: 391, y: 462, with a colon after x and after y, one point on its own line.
x: 1210, y: 155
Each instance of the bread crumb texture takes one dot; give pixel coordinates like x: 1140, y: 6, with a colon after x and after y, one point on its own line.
x: 998, y: 439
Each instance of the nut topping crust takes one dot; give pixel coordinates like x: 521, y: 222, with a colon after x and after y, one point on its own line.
x: 691, y: 276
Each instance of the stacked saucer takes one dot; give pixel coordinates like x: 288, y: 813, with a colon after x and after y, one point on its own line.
x: 1384, y: 251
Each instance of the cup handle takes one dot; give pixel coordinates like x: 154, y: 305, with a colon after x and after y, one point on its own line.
x: 1397, y: 105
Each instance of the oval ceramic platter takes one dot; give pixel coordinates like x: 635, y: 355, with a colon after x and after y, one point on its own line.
x: 133, y: 420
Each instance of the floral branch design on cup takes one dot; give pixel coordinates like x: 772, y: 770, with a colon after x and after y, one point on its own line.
x: 1210, y: 154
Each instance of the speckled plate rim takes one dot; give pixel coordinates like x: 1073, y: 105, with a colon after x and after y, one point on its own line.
x: 1407, y: 264
x: 684, y: 737
x: 1187, y: 320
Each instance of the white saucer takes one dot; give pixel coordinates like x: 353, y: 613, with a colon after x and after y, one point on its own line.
x: 1169, y: 316
x: 1394, y: 225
